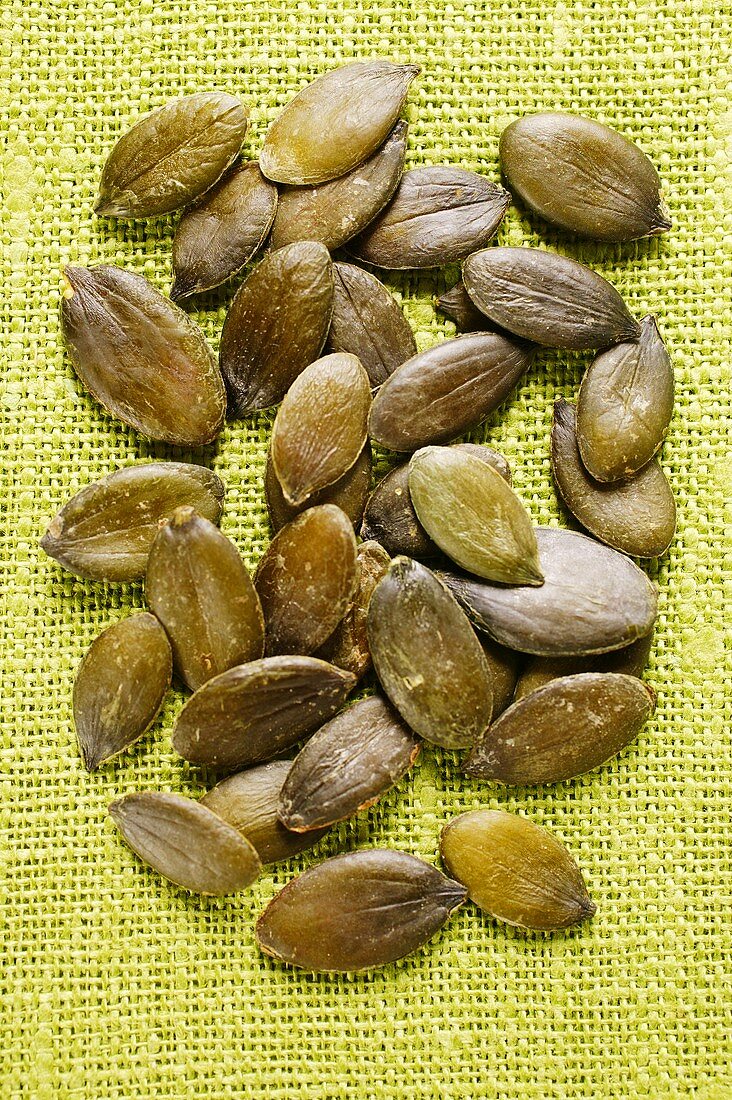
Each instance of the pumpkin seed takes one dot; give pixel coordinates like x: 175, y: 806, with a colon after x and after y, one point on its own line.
x: 460, y: 308
x: 515, y: 870
x: 320, y: 428
x: 583, y: 176
x: 120, y: 687
x: 593, y: 600
x: 547, y: 298
x: 105, y: 532
x: 334, y: 212
x: 172, y: 156
x: 438, y: 215
x: 467, y: 508
x: 563, y: 729
x: 349, y: 493
x: 186, y: 842
x: 357, y: 911
x: 141, y: 357
x: 504, y: 665
x: 276, y: 326
x: 335, y: 123
x: 255, y: 711
x: 219, y: 235
x: 348, y: 646
x: 427, y: 658
x: 540, y: 670
x: 625, y: 405
x: 307, y: 580
x: 446, y: 390
x: 347, y: 765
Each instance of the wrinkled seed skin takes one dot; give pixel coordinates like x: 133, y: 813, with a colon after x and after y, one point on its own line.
x: 593, y: 600
x: 457, y: 304
x: 368, y: 322
x: 538, y: 671
x: 335, y: 123
x: 637, y: 516
x: 427, y: 657
x: 357, y: 911
x: 104, y: 533
x: 276, y: 326
x: 547, y: 299
x: 186, y: 842
x: 583, y: 176
x: 505, y: 669
x: 348, y: 646
x: 349, y: 493
x: 515, y: 870
x: 444, y: 391
x: 563, y: 729
x: 141, y: 357
x: 253, y: 712
x: 120, y: 687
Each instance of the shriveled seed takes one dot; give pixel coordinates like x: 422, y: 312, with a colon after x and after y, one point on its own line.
x: 349, y: 493
x: 457, y: 304
x: 348, y: 646
x: 369, y: 323
x: 538, y: 671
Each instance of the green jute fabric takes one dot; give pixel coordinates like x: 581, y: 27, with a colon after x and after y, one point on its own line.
x: 116, y: 984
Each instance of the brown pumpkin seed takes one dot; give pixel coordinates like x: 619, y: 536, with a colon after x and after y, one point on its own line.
x: 172, y: 156
x: 564, y: 729
x: 583, y: 176
x: 200, y: 589
x: 334, y: 212
x: 462, y: 311
x: 320, y: 428
x: 444, y: 391
x: 438, y: 215
x: 515, y: 870
x: 335, y: 123
x: 538, y: 671
x: 593, y: 600
x: 276, y: 326
x: 357, y: 911
x: 219, y: 235
x: 636, y: 516
x: 255, y: 711
x: 186, y: 842
x: 504, y: 665
x: 427, y: 657
x: 624, y: 406
x: 470, y: 512
x: 307, y: 580
x: 120, y: 687
x: 349, y: 493
x: 141, y: 357
x: 548, y: 299
x: 347, y: 765
x: 105, y: 532
x: 348, y: 646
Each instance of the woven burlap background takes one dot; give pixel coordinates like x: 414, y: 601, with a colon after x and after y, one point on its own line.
x: 115, y: 984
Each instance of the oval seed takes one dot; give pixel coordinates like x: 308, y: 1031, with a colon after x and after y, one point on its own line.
x: 219, y: 235
x: 515, y: 870
x: 427, y: 657
x: 186, y: 842
x: 462, y: 311
x: 320, y: 427
x: 357, y: 911
x: 564, y: 729
x: 593, y: 600
x: 624, y: 406
x: 504, y: 665
x: 255, y: 711
x: 347, y: 765
x: 368, y: 322
x: 120, y: 687
x: 348, y: 646
x: 105, y: 532
x: 583, y: 176
x: 172, y: 156
x: 276, y: 326
x: 200, y: 589
x: 547, y: 298
x: 335, y: 123
x: 141, y: 357
x: 349, y: 493
x: 438, y: 215
x: 538, y: 671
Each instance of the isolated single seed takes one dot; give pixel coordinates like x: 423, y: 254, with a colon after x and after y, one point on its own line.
x: 186, y: 842
x: 349, y: 493
x: 548, y: 299
x: 369, y: 323
x: 172, y: 156
x: 564, y: 729
x: 120, y: 687
x: 515, y: 870
x: 538, y: 671
x: 357, y: 911
x: 335, y: 123
x: 457, y: 304
x: 348, y: 646
x: 105, y: 532
x: 505, y: 666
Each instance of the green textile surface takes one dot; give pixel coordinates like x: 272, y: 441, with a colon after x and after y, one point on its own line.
x: 116, y: 984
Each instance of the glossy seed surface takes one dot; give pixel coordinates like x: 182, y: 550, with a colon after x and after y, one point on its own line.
x: 505, y: 668
x: 349, y: 493
x: 368, y: 322
x: 538, y: 671
x: 348, y: 646
x: 457, y: 304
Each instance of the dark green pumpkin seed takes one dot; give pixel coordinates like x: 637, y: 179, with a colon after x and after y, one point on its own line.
x: 462, y: 311
x: 538, y: 671
x: 348, y: 646
x: 349, y: 493
x: 505, y: 665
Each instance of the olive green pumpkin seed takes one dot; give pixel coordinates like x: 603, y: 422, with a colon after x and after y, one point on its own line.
x: 349, y: 493
x: 457, y: 304
x: 538, y: 671
x: 505, y: 669
x: 348, y: 646
x: 369, y: 323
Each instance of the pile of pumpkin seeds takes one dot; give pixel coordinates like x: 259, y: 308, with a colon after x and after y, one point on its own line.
x: 523, y: 646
